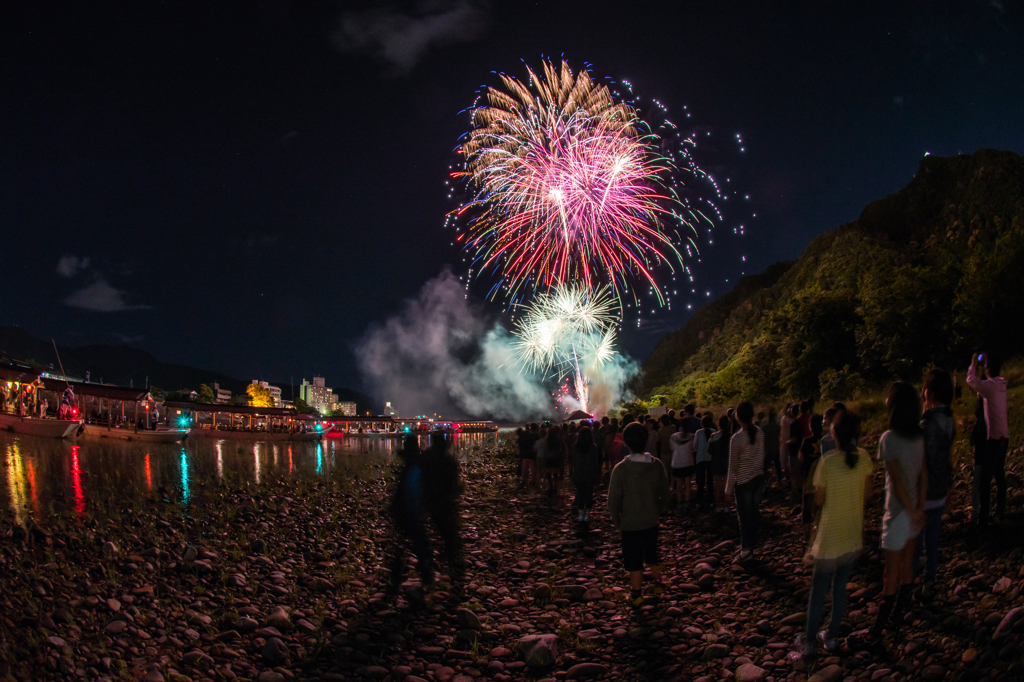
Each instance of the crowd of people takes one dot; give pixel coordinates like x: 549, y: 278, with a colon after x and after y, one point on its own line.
x: 690, y: 462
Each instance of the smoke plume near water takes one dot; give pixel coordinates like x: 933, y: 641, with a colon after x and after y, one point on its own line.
x: 443, y: 355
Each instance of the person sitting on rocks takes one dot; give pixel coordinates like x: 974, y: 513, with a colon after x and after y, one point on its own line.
x: 842, y: 484
x: 637, y: 494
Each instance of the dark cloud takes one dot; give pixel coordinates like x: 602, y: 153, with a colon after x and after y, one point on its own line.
x: 101, y: 297
x: 400, y: 38
x: 69, y: 266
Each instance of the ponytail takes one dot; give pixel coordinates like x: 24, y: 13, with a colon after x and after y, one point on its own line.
x: 846, y: 426
x: 745, y: 415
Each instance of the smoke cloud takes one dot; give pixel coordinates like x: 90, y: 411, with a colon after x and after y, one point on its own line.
x: 442, y: 355
x: 401, y: 38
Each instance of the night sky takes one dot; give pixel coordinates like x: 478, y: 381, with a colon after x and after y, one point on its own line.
x: 248, y: 187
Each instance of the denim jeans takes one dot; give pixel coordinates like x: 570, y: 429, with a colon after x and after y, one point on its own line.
x: 705, y: 486
x: 748, y: 509
x: 928, y: 544
x: 584, y: 494
x: 837, y: 572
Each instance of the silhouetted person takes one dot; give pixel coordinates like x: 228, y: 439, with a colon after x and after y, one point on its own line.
x: 442, y: 488
x: 586, y: 471
x: 408, y: 512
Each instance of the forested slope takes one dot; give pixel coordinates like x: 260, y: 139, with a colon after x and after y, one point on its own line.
x: 923, y: 276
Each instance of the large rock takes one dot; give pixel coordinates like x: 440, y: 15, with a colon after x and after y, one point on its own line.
x: 748, y: 672
x: 539, y: 651
x: 467, y: 619
x: 275, y: 651
x: 280, y: 619
x: 829, y: 673
x: 584, y: 671
x: 794, y: 619
x: 1007, y: 623
x: 572, y: 592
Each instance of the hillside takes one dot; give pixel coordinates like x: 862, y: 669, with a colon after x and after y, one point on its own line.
x: 125, y: 365
x: 926, y: 275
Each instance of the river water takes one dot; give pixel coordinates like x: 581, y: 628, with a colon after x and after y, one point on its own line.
x: 42, y: 475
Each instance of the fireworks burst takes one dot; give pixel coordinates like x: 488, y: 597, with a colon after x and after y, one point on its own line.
x: 570, y: 331
x: 569, y: 186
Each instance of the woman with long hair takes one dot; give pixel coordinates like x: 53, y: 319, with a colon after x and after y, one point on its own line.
x: 842, y: 484
x: 746, y: 477
x: 901, y: 449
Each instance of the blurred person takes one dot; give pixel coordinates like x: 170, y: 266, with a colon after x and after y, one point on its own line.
x: 554, y: 461
x: 938, y: 427
x: 690, y: 423
x: 526, y: 438
x: 718, y: 447
x: 586, y: 471
x: 409, y: 517
x: 772, y: 432
x: 702, y: 458
x: 441, y: 477
x: 684, y: 466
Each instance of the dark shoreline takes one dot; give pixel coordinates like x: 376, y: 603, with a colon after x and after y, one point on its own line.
x: 304, y: 558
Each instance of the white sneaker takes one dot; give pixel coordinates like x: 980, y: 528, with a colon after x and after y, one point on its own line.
x: 830, y: 644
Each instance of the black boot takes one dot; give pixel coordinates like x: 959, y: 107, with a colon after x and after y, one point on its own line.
x: 902, y: 602
x: 882, y: 620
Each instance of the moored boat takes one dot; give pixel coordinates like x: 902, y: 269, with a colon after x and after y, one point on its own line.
x: 130, y: 434
x: 33, y: 426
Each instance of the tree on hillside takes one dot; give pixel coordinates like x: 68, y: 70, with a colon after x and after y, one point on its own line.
x: 259, y: 396
x: 205, y: 396
x: 302, y: 407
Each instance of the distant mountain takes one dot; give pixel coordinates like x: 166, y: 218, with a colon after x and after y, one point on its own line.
x: 926, y: 275
x: 125, y: 365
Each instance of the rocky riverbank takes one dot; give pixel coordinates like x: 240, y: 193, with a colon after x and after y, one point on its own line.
x: 284, y: 581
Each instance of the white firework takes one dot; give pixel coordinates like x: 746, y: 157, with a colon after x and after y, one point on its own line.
x: 570, y: 331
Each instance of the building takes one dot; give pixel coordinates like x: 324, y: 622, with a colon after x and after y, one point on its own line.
x: 317, y: 395
x: 389, y: 411
x: 220, y: 396
x: 275, y: 391
x: 346, y: 409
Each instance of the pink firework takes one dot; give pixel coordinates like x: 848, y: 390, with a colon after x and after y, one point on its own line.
x: 567, y: 187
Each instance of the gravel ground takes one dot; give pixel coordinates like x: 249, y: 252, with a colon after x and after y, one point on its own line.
x: 284, y: 581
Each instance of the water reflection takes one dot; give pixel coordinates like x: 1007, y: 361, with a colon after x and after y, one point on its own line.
x: 185, y: 493
x: 16, y: 483
x: 76, y: 480
x: 43, y: 472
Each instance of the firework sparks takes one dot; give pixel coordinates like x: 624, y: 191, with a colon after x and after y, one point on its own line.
x: 568, y: 187
x: 570, y: 331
